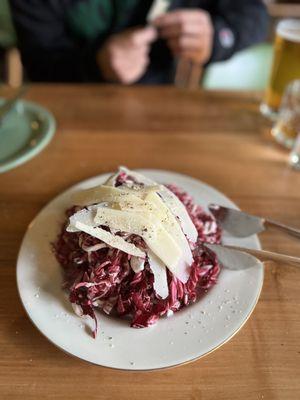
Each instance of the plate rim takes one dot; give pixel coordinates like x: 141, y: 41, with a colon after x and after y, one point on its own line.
x: 147, y: 170
x: 43, y: 142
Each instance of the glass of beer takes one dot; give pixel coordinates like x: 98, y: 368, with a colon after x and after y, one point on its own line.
x: 287, y: 125
x: 286, y: 64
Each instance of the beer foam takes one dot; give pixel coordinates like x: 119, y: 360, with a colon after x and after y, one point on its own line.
x: 289, y: 29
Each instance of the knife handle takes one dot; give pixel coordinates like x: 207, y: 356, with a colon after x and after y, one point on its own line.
x: 284, y: 228
x: 263, y: 255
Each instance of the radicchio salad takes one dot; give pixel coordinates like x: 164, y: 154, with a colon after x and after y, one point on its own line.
x: 134, y: 248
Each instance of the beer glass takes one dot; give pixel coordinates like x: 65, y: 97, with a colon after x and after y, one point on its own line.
x: 286, y: 64
x: 287, y: 126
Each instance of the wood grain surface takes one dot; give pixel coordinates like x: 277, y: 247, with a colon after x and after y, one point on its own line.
x: 219, y: 138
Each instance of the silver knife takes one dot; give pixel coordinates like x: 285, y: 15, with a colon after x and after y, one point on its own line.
x: 238, y: 258
x: 240, y: 224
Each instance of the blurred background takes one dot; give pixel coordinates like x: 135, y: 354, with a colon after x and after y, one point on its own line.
x: 252, y: 65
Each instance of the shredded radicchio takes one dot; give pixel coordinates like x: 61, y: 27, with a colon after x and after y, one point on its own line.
x: 97, y: 276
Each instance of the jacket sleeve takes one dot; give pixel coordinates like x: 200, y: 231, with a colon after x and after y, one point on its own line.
x: 237, y: 24
x: 49, y: 53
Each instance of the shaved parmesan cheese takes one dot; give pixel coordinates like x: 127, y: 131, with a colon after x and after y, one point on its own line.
x: 141, y: 191
x: 160, y: 275
x: 102, y: 194
x: 111, y: 180
x: 145, y: 225
x: 137, y: 264
x: 114, y: 241
x: 126, y: 221
x: 84, y: 216
x: 171, y: 224
x: 159, y: 214
x: 110, y: 194
x: 172, y: 202
x: 179, y: 211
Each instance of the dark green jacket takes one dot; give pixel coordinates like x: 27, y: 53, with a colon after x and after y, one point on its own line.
x: 59, y: 38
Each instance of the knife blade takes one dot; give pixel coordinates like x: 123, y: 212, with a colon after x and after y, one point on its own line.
x: 241, y: 224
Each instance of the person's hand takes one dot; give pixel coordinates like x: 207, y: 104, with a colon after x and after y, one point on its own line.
x: 189, y: 33
x: 125, y: 56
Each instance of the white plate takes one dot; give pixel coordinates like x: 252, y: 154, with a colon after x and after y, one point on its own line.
x: 186, y: 336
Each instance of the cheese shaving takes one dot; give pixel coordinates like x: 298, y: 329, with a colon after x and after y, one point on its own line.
x: 147, y: 226
x: 112, y: 240
x: 172, y: 202
x: 160, y: 275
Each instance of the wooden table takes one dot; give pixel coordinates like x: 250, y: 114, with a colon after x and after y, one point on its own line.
x: 219, y: 138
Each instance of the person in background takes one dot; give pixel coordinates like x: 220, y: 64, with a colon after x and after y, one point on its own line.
x: 110, y: 41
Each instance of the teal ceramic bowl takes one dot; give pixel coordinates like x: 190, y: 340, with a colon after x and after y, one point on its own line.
x: 26, y: 131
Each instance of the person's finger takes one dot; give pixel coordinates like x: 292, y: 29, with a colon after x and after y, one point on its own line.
x: 143, y: 36
x: 138, y: 52
x: 134, y: 59
x: 170, y: 31
x: 179, y: 17
x: 132, y: 70
x: 135, y: 51
x: 186, y: 43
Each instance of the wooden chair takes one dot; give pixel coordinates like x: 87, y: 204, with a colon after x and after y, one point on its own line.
x: 13, y: 71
